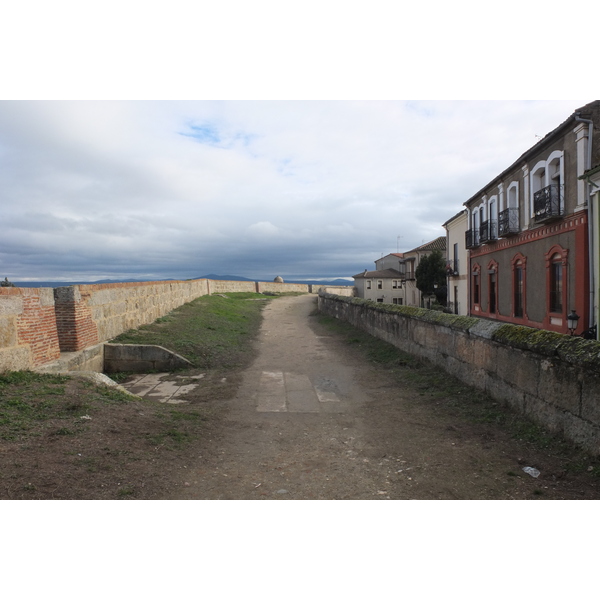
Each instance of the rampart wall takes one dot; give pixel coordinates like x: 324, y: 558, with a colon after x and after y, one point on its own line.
x: 37, y: 324
x: 28, y: 331
x: 552, y: 378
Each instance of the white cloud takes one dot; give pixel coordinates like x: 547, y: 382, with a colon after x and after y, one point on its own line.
x: 180, y: 189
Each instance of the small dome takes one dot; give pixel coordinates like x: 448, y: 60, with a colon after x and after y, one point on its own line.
x: 278, y: 279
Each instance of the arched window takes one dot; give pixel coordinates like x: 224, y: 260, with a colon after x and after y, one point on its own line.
x: 493, y: 287
x: 476, y: 286
x: 556, y: 284
x: 519, y: 263
x: 556, y: 280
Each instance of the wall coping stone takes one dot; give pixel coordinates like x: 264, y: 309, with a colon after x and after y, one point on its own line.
x: 571, y: 349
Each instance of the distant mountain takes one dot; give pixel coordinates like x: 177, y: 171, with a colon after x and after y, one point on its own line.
x: 55, y: 284
x: 305, y: 281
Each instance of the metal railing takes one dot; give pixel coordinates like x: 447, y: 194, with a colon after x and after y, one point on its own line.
x: 508, y: 222
x: 472, y: 238
x: 488, y: 231
x: 547, y: 203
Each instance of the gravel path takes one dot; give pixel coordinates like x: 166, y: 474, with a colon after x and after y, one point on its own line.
x: 314, y: 420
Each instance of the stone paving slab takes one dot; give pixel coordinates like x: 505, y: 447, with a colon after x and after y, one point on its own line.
x: 280, y: 391
x: 155, y: 386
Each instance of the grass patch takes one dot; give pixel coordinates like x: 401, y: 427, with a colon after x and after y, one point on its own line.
x: 211, y: 331
x: 459, y: 400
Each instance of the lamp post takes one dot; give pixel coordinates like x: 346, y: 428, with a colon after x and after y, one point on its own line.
x: 572, y: 319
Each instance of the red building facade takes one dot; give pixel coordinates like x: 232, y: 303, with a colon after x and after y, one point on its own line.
x: 528, y: 232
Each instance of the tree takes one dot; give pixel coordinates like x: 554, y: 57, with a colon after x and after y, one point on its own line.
x: 6, y: 283
x: 431, y: 276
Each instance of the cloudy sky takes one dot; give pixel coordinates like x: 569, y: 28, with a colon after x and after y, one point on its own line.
x: 96, y: 189
x: 256, y: 139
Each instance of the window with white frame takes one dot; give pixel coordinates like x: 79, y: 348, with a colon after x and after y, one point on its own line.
x: 548, y: 174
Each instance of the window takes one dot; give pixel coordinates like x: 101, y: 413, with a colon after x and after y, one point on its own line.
x: 556, y: 284
x: 518, y: 263
x: 476, y: 286
x: 518, y: 290
x: 546, y: 191
x: 396, y: 284
x: 397, y: 301
x: 368, y: 284
x: 379, y: 284
x: 492, y: 287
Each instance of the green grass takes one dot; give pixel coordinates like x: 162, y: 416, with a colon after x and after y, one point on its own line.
x: 211, y: 331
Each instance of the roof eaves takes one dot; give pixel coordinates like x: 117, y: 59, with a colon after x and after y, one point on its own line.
x: 536, y: 148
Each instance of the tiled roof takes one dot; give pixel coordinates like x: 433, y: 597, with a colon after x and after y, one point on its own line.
x: 389, y: 273
x: 437, y: 244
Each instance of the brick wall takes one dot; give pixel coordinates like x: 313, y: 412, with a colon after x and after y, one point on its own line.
x: 28, y: 332
x: 76, y: 328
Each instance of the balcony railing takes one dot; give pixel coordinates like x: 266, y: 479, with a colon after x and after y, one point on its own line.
x: 508, y: 222
x: 472, y: 238
x: 546, y: 203
x: 488, y: 231
x: 452, y: 268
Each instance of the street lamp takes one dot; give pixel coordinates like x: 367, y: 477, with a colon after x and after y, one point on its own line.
x: 572, y: 319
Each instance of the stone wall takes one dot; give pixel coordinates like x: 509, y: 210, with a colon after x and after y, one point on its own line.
x: 38, y: 324
x: 552, y: 378
x: 103, y: 311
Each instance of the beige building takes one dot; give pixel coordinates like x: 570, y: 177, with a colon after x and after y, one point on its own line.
x: 394, y: 281
x: 457, y: 264
x: 382, y: 285
x: 409, y: 264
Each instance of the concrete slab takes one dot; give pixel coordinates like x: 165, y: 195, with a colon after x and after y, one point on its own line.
x: 156, y: 386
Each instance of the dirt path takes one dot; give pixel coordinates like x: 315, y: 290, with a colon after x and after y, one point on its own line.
x: 314, y: 420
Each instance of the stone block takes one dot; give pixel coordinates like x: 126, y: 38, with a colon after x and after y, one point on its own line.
x: 8, y: 332
x: 590, y: 397
x: 11, y: 305
x: 15, y: 359
x: 484, y: 354
x: 582, y: 433
x: 463, y: 348
x: 505, y: 393
x: 560, y: 385
x: 63, y: 295
x: 46, y: 296
x: 518, y: 368
x: 544, y: 414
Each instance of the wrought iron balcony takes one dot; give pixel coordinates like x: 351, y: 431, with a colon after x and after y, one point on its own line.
x: 488, y: 231
x: 472, y: 238
x: 452, y: 268
x: 508, y: 222
x: 546, y: 203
